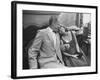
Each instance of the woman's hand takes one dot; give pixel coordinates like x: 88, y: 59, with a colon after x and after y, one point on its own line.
x: 67, y: 46
x: 75, y: 56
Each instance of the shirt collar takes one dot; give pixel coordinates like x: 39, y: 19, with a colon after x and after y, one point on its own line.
x: 50, y: 29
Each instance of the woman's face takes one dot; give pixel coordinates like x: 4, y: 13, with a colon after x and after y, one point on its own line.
x: 62, y: 30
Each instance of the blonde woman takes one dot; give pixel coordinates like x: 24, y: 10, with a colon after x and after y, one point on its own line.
x: 72, y: 53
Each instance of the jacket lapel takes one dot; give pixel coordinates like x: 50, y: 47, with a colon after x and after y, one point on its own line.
x: 50, y: 38
x: 58, y: 48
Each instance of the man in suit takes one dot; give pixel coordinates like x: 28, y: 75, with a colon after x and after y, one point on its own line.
x: 45, y: 49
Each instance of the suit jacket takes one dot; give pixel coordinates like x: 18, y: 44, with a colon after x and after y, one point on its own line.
x: 42, y: 52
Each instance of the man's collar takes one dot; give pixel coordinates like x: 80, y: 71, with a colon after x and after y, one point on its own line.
x: 50, y: 29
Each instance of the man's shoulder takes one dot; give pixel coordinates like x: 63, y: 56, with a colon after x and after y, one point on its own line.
x: 43, y: 30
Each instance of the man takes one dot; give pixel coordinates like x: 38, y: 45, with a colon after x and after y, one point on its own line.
x: 45, y: 49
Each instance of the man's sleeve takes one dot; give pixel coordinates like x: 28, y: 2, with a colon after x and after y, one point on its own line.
x: 34, y: 50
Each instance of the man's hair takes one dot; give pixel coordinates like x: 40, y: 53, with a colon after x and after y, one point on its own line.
x: 53, y: 19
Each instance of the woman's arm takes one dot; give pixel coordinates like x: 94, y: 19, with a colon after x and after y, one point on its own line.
x: 67, y: 54
x: 70, y: 55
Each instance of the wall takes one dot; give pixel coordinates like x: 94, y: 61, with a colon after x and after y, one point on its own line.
x: 35, y: 19
x: 67, y: 19
x: 86, y: 18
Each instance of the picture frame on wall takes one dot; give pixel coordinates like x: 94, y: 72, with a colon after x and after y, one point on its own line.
x: 32, y: 55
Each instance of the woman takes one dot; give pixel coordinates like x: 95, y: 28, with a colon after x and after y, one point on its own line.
x: 72, y: 54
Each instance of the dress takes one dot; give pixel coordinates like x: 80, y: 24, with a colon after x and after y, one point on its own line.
x: 70, y: 39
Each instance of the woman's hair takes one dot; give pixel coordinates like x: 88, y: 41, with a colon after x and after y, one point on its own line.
x: 61, y: 32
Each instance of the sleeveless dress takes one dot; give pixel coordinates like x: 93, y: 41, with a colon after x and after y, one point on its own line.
x: 70, y: 39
